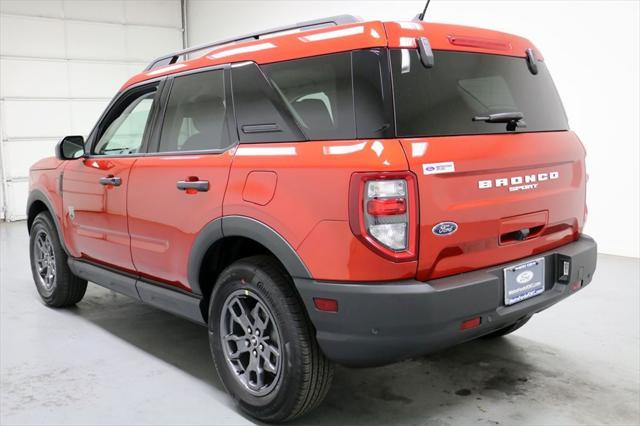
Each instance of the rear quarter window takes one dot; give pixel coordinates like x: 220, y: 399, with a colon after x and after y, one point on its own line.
x: 318, y: 93
x: 338, y: 96
x: 261, y: 114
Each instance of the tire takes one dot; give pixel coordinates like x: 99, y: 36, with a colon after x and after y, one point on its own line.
x: 508, y: 329
x: 55, y: 282
x: 293, y: 383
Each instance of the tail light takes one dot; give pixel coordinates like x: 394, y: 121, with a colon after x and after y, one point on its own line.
x: 383, y: 213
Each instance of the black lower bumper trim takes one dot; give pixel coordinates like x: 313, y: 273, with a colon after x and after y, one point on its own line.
x: 380, y: 323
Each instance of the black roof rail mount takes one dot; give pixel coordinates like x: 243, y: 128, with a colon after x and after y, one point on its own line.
x: 172, y: 58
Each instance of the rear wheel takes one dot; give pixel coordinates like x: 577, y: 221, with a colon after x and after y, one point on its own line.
x: 263, y: 345
x: 508, y: 329
x: 55, y: 282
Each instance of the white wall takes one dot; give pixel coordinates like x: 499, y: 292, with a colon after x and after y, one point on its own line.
x: 591, y: 47
x: 61, y: 61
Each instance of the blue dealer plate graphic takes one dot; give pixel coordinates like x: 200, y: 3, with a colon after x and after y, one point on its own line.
x: 524, y: 281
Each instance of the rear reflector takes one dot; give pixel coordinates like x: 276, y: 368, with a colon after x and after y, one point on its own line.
x: 325, y: 305
x: 470, y: 323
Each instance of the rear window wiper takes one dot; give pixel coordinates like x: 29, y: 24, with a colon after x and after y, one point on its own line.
x: 513, y: 119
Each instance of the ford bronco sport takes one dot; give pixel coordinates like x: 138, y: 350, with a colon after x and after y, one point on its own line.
x: 336, y: 191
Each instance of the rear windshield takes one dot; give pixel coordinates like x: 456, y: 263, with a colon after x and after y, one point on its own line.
x: 443, y: 100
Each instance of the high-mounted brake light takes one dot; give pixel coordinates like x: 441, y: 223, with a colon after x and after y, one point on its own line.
x: 481, y: 43
x: 383, y: 213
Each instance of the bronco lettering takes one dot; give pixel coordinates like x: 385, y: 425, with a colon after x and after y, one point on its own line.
x: 515, y: 183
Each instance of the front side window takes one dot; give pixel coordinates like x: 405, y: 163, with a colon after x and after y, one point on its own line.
x: 196, y: 114
x: 125, y: 133
x: 318, y: 92
x: 461, y: 86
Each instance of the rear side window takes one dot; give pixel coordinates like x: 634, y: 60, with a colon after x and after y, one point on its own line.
x: 372, y: 94
x: 261, y: 114
x: 196, y: 114
x: 318, y: 93
x: 443, y: 100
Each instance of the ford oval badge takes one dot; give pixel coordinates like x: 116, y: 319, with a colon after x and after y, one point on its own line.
x: 445, y: 228
x: 524, y: 277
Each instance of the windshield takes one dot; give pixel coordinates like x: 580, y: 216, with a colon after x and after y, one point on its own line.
x: 444, y: 100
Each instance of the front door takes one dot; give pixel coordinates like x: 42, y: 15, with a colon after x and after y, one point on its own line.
x: 95, y: 187
x: 179, y: 187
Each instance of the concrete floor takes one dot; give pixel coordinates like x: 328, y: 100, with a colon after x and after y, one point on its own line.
x: 111, y: 360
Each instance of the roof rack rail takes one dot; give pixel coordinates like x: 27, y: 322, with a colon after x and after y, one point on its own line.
x: 172, y: 58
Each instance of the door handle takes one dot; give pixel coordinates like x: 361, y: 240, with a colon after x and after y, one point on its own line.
x: 193, y: 185
x: 111, y: 180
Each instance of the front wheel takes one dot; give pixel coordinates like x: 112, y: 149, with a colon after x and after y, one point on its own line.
x: 262, y: 343
x: 55, y: 282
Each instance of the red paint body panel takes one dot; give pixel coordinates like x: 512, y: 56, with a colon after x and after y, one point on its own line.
x: 260, y: 187
x: 310, y: 206
x: 333, y: 253
x: 44, y: 176
x: 164, y: 221
x: 48, y: 163
x: 99, y: 229
x: 479, y: 213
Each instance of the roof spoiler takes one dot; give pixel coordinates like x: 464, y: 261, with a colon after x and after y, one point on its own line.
x: 172, y: 58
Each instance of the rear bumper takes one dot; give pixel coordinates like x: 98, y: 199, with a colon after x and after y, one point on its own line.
x: 380, y: 323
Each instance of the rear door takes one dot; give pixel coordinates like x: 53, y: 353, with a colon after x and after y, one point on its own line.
x: 490, y: 192
x: 95, y: 187
x: 179, y: 186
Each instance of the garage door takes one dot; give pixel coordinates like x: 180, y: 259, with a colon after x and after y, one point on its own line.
x: 61, y: 61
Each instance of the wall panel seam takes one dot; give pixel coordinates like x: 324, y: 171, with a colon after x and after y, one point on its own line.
x: 90, y: 21
x: 142, y: 63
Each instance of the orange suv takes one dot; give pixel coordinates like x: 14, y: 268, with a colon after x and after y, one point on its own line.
x: 333, y: 191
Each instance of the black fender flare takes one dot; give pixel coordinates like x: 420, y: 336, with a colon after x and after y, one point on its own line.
x: 242, y: 226
x: 38, y: 195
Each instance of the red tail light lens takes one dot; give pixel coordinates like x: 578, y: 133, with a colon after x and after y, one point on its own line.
x: 383, y: 213
x: 386, y: 207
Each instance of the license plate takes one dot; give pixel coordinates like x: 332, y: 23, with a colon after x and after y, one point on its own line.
x: 524, y: 281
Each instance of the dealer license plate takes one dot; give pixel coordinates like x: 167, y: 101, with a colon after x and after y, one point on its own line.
x: 524, y: 281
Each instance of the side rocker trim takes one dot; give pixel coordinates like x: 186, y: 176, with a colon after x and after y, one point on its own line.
x: 242, y: 226
x: 172, y: 301
x: 116, y: 281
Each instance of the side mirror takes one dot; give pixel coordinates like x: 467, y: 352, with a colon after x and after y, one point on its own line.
x: 70, y: 148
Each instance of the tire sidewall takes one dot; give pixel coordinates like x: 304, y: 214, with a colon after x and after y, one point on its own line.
x: 243, y: 276
x: 43, y: 223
